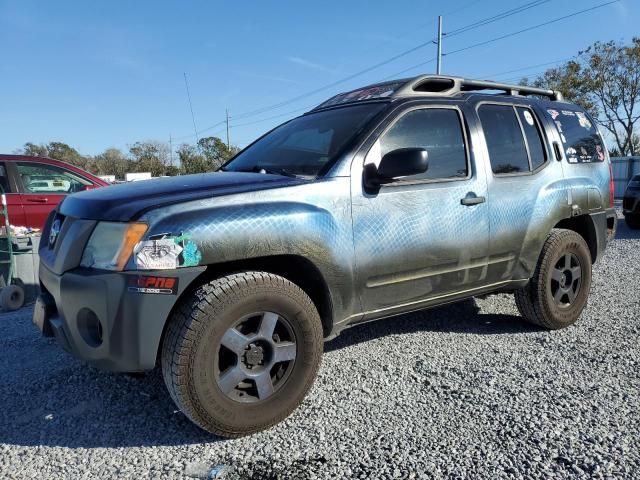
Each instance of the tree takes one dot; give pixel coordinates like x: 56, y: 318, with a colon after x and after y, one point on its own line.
x: 605, y: 79
x: 216, y: 151
x: 57, y: 150
x: 191, y: 161
x: 34, y: 150
x: 150, y: 156
x: 112, y: 162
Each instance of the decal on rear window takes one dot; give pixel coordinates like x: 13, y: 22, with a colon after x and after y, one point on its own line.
x: 582, y: 142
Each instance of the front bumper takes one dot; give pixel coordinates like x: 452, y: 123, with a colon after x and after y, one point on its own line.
x: 109, y: 319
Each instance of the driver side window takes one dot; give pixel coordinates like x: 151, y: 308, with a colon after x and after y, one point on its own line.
x: 42, y: 178
x: 439, y: 131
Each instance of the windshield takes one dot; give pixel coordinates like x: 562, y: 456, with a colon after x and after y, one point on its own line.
x: 306, y: 144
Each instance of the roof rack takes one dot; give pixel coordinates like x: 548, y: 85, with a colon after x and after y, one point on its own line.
x: 432, y: 85
x: 445, y: 85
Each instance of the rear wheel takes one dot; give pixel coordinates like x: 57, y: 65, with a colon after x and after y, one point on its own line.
x: 558, y: 291
x: 632, y: 220
x: 241, y: 352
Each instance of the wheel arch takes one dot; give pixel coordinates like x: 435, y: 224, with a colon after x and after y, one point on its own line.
x: 295, y: 268
x: 584, y: 226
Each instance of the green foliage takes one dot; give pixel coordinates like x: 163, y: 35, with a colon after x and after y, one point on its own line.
x: 216, y: 151
x: 149, y: 156
x: 604, y: 79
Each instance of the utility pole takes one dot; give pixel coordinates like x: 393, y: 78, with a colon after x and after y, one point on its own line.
x: 227, y: 119
x: 171, y: 151
x: 439, y: 61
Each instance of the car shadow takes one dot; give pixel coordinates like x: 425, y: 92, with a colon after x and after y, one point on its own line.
x: 52, y: 399
x: 460, y: 317
x: 623, y: 232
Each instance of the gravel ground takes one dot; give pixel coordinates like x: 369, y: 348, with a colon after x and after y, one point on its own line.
x: 463, y: 391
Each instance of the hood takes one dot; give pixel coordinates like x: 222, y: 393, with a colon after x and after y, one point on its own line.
x: 128, y: 201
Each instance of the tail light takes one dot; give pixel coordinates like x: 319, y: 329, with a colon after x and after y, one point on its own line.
x: 612, y: 186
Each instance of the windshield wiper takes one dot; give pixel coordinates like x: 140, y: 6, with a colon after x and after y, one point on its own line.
x: 271, y: 170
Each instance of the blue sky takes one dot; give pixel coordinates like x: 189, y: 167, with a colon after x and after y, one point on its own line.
x: 97, y: 74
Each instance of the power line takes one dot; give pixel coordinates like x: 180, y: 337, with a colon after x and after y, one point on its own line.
x: 411, y: 50
x: 337, y: 82
x: 459, y: 9
x: 495, y: 18
x: 273, y: 117
x: 502, y: 37
x: 396, y: 75
x: 526, y: 68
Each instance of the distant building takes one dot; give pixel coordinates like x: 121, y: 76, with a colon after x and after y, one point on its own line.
x: 134, y: 177
x: 107, y: 178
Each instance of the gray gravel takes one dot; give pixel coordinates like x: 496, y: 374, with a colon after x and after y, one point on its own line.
x: 463, y: 391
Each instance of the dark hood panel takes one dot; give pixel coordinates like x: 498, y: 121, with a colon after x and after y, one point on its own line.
x: 128, y: 201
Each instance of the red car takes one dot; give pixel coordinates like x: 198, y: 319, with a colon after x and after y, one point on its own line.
x: 35, y: 185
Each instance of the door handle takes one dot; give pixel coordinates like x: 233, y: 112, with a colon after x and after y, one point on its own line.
x: 472, y: 199
x: 37, y: 199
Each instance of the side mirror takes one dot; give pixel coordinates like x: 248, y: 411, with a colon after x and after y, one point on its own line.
x: 402, y: 162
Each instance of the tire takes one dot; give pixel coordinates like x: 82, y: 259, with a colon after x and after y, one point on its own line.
x: 12, y: 297
x: 219, y: 334
x: 632, y: 221
x: 557, y: 293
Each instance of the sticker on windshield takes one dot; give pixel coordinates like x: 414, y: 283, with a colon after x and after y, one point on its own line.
x: 528, y: 117
x: 161, y: 254
x: 554, y: 113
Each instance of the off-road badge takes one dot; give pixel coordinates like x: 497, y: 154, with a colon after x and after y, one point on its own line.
x: 159, y: 254
x: 153, y: 285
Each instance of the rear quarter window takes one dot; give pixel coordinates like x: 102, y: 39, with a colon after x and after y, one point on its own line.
x: 580, y: 137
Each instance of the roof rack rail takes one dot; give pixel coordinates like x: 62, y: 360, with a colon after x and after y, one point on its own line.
x: 445, y: 85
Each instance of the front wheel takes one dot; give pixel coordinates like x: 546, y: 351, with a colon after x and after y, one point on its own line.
x: 558, y: 291
x: 241, y: 352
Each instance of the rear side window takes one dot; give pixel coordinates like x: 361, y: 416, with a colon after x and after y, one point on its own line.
x: 532, y: 134
x: 582, y: 143
x: 513, y: 138
x: 507, y: 150
x: 439, y: 131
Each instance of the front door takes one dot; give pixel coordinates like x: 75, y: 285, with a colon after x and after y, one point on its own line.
x: 423, y: 237
x: 43, y: 187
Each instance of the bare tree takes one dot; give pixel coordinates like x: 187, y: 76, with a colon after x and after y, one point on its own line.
x: 604, y: 79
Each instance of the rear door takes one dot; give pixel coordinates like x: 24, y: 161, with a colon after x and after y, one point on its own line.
x: 522, y: 187
x: 42, y: 188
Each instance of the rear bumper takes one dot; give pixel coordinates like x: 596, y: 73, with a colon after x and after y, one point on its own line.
x: 106, y: 318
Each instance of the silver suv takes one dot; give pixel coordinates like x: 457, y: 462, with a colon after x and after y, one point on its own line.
x: 388, y: 199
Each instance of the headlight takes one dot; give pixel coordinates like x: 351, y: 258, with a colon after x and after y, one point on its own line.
x: 111, y: 245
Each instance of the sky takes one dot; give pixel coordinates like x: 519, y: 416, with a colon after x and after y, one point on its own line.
x: 100, y: 74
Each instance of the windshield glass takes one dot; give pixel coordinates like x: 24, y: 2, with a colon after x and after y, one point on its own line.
x: 306, y: 144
